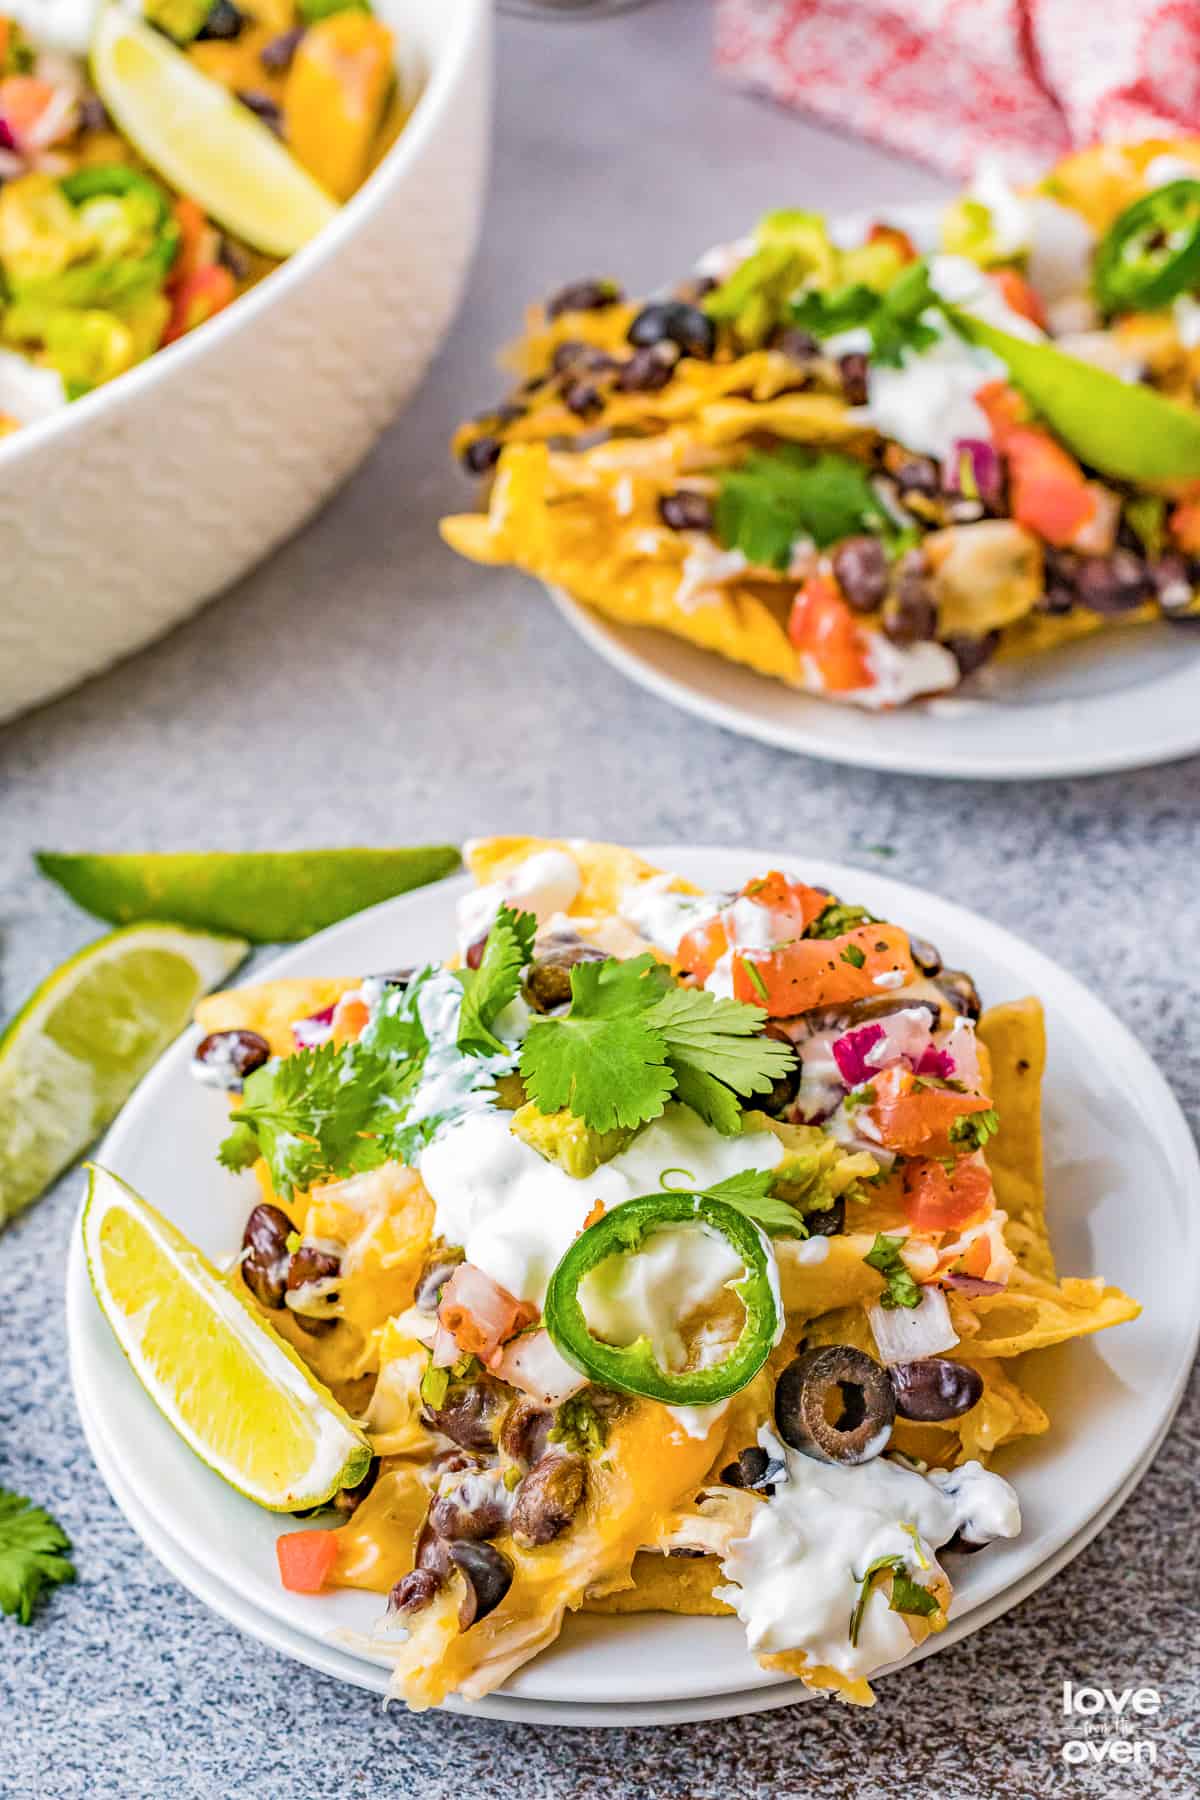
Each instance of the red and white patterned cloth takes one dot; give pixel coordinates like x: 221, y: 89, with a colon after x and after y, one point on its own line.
x: 948, y: 81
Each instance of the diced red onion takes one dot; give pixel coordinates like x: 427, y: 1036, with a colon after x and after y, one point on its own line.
x: 906, y: 1333
x: 532, y: 1363
x: 972, y: 1284
x: 850, y: 1053
x: 935, y: 1062
x: 480, y: 1313
x: 982, y: 462
x: 315, y: 1029
x: 7, y: 140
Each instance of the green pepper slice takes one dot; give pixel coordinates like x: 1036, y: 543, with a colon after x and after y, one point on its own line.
x: 1151, y: 252
x: 634, y: 1368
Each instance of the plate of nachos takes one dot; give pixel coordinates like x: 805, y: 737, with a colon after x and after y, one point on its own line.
x: 654, y: 1250
x: 885, y: 488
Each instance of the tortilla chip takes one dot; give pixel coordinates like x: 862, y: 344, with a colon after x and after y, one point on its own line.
x: 272, y: 1007
x: 1032, y: 1313
x: 1014, y: 1036
x: 606, y: 869
x: 671, y: 1584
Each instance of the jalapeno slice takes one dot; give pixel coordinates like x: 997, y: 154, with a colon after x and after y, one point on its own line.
x: 634, y: 1368
x: 1151, y: 252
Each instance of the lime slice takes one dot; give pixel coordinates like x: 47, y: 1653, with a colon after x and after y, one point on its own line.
x: 234, y: 1391
x: 201, y: 140
x: 72, y: 1057
x: 268, y: 896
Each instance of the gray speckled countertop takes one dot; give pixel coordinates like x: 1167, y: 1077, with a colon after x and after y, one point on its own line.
x: 364, y: 686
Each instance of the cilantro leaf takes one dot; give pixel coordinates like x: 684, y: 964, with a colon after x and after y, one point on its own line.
x: 901, y: 1289
x: 907, y: 1596
x: 604, y: 1061
x: 488, y: 989
x: 31, y: 1555
x: 853, y: 955
x: 240, y: 1149
x: 309, y: 1113
x: 973, y: 1130
x: 776, y: 497
x: 825, y: 312
x: 837, y: 919
x: 714, y: 1046
x: 750, y: 1192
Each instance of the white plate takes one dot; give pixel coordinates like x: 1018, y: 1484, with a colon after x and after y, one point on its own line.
x: 1122, y: 700
x: 1124, y: 1181
x: 328, y: 1659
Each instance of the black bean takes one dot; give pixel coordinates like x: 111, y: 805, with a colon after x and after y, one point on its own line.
x: 432, y: 1552
x: 583, y: 296
x: 754, y: 1470
x: 265, y: 1260
x: 277, y: 53
x: 799, y: 345
x: 92, y: 116
x: 648, y: 370
x: 1172, y: 583
x: 548, y: 1499
x: 526, y: 1431
x: 309, y: 1263
x: 853, y: 370
x: 679, y: 323
x: 918, y: 475
x: 224, y: 21
x: 263, y: 107
x: 488, y: 1574
x: 434, y: 1276
x: 961, y: 993
x: 1055, y: 600
x: 1112, y: 584
x: 415, y: 1591
x: 935, y: 1388
x: 686, y: 510
x: 860, y: 566
x: 862, y: 1391
x: 583, y: 398
x: 481, y: 454
x: 474, y: 955
x: 827, y: 1221
x: 225, y: 1058
x: 547, y: 981
x: 474, y: 1507
x: 575, y: 356
x: 231, y: 256
x: 970, y: 653
x: 469, y: 1415
x: 909, y: 616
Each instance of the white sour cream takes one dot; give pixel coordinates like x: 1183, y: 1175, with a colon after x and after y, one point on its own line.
x: 794, y: 1579
x: 679, y: 1271
x: 515, y: 1214
x: 544, y: 884
x: 903, y: 672
x: 29, y: 393
x: 56, y: 24
x: 662, y: 917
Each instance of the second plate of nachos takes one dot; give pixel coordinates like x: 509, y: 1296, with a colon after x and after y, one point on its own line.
x: 813, y: 1224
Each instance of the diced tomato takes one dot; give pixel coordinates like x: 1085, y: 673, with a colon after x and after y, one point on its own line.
x: 351, y: 1017
x: 1185, y: 523
x: 306, y: 1560
x: 1019, y: 296
x: 1048, y: 492
x: 701, y: 948
x: 193, y: 240
x: 937, y: 1198
x: 914, y: 1118
x: 480, y: 1314
x: 786, y: 899
x: 823, y: 628
x: 822, y: 971
x: 899, y: 240
x: 199, y: 297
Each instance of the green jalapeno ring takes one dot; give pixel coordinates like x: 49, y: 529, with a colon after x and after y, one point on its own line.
x: 1151, y: 252
x: 634, y: 1368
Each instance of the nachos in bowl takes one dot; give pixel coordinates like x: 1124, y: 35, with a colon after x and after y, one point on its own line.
x: 676, y: 1251
x: 866, y: 465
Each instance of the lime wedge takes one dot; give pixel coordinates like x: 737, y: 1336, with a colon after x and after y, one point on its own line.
x: 234, y: 1391
x: 268, y: 896
x: 74, y: 1054
x: 201, y: 140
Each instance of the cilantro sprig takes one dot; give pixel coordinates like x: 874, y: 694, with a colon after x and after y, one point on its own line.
x: 971, y: 1131
x: 775, y: 497
x: 907, y: 1596
x: 631, y: 1041
x: 892, y: 319
x: 32, y: 1559
x: 901, y: 1290
x: 749, y: 1192
x: 491, y: 987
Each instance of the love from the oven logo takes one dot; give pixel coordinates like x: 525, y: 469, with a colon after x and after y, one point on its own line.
x: 1106, y: 1724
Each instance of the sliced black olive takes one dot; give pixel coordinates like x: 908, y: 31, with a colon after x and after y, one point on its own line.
x: 935, y: 1388
x: 836, y: 1404
x: 684, y: 325
x: 754, y: 1469
x: 961, y: 993
x: 488, y: 1574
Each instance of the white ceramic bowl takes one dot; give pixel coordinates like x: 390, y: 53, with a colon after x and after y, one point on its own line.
x: 121, y: 514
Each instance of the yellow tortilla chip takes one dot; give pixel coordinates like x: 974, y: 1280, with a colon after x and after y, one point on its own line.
x: 271, y: 1007
x: 605, y: 869
x: 1014, y: 1036
x: 1032, y: 1313
x: 671, y: 1584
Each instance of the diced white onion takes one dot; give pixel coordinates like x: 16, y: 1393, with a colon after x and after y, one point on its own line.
x: 906, y: 1333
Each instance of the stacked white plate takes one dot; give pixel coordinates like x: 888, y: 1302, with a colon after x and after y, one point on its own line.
x: 1124, y: 1185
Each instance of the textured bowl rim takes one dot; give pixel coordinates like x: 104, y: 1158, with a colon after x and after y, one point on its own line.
x: 472, y: 20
